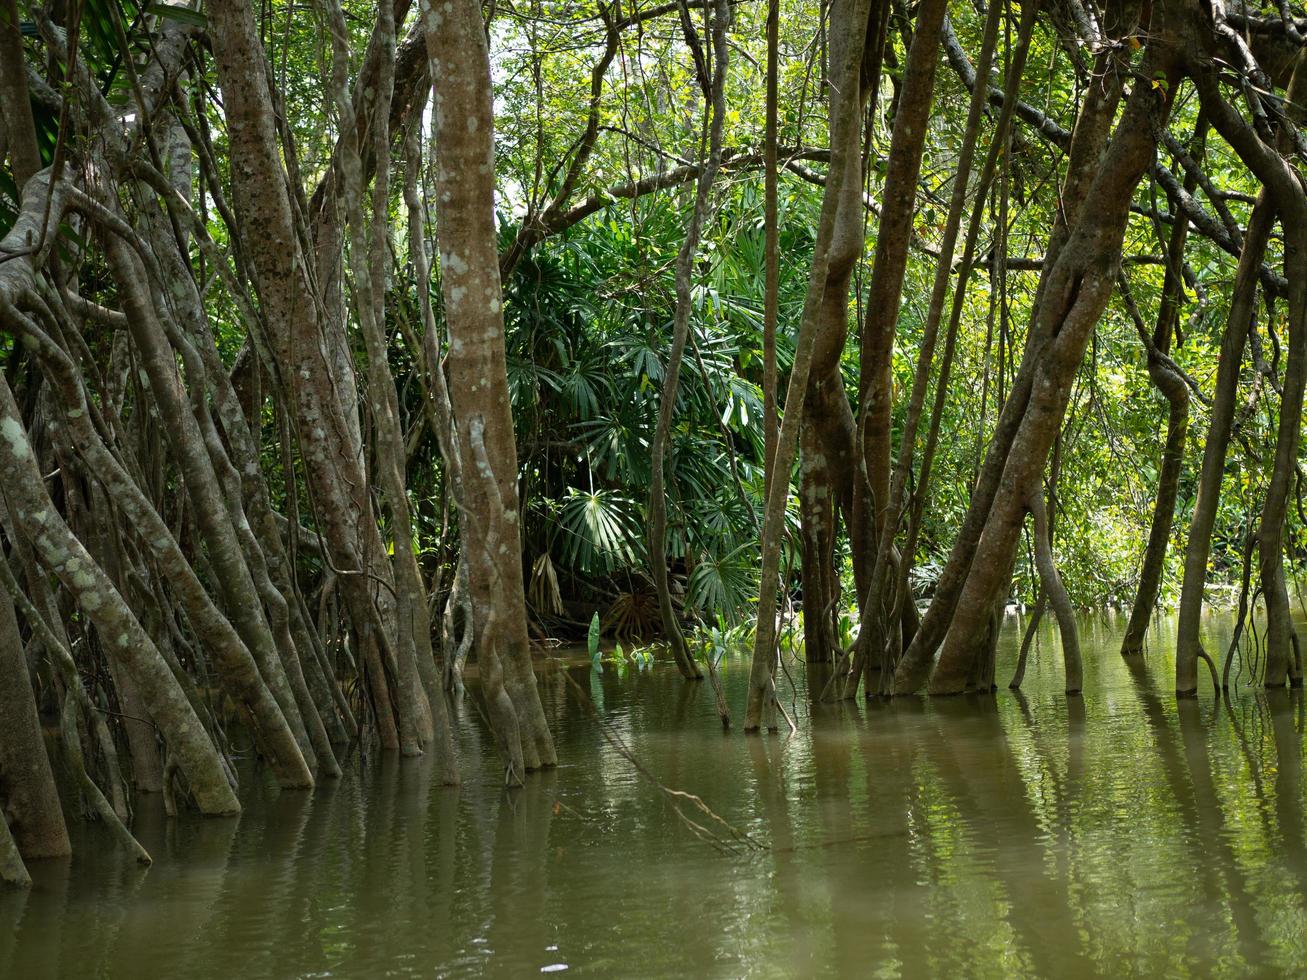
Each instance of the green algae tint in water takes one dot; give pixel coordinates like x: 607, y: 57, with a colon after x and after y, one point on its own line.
x: 1116, y: 834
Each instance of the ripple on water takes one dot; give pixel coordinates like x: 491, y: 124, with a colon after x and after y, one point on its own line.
x: 1116, y: 833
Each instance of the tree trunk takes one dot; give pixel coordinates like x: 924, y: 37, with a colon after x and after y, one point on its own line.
x: 122, y: 636
x: 839, y: 239
x: 1072, y: 297
x: 419, y: 690
x: 297, y: 325
x: 817, y: 517
x: 1284, y: 186
x: 478, y: 379
x: 12, y: 870
x: 893, y: 235
x: 879, y: 606
x: 1282, y: 663
x: 15, y: 107
x: 657, y: 509
x: 831, y: 468
x: 771, y: 247
x: 29, y: 801
x: 1176, y: 392
x: 1243, y: 305
x: 1051, y: 582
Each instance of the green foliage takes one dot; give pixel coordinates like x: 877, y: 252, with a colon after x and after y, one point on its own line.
x: 721, y: 639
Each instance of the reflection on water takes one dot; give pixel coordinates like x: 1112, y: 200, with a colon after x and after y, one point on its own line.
x: 1119, y: 833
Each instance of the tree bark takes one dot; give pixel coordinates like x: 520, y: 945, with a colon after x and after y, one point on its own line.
x: 478, y: 378
x: 893, y: 236
x: 1051, y: 582
x: 1076, y: 287
x: 839, y: 238
x: 771, y: 248
x: 62, y: 553
x: 880, y: 607
x: 1284, y: 186
x: 15, y: 107
x: 1243, y: 305
x: 657, y: 508
x: 1176, y: 392
x: 419, y: 693
x: 297, y: 330
x: 29, y: 801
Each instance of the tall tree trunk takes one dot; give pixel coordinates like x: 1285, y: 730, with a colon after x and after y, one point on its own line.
x: 1073, y: 295
x: 1243, y: 305
x: 839, y: 239
x: 15, y: 107
x: 1085, y: 175
x: 831, y: 466
x: 715, y: 87
x: 771, y: 247
x: 893, y: 235
x: 478, y: 376
x: 439, y: 413
x: 879, y: 608
x: 1284, y: 185
x: 296, y: 325
x: 1173, y: 388
x: 1283, y: 661
x: 369, y: 257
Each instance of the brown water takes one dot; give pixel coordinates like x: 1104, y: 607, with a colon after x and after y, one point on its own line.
x: 1114, y: 834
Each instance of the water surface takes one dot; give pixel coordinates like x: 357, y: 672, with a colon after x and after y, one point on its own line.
x: 1118, y: 833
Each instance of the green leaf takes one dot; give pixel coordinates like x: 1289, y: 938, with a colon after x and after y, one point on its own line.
x: 183, y: 15
x: 592, y: 641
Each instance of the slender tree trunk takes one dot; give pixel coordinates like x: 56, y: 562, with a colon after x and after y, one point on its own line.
x: 1284, y: 186
x: 879, y: 607
x: 1243, y: 305
x: 716, y: 86
x: 28, y: 798
x: 369, y: 257
x: 1073, y: 296
x: 1078, y: 294
x: 830, y: 459
x: 1176, y: 392
x: 817, y: 513
x: 1173, y: 388
x: 435, y: 396
x: 297, y: 325
x: 15, y: 108
x: 124, y: 639
x: 893, y: 237
x: 771, y: 249
x: 1051, y: 582
x: 839, y: 237
x: 1282, y: 663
